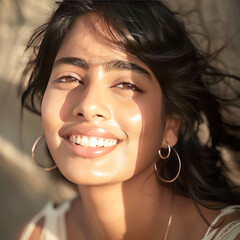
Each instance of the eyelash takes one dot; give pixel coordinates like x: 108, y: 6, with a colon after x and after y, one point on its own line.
x: 64, y: 78
x: 130, y: 86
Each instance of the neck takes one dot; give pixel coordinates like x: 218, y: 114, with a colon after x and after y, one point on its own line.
x: 131, y: 210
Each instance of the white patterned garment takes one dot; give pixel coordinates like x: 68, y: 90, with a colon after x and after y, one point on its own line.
x: 54, y: 222
x: 55, y: 225
x: 229, y: 231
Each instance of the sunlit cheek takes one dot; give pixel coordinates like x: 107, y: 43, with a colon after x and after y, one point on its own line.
x: 133, y: 124
x: 133, y: 117
x: 136, y: 118
x: 128, y: 115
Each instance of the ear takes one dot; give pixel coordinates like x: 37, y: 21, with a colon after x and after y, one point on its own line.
x: 171, y: 129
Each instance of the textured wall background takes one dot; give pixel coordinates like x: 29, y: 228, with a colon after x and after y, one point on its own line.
x: 23, y: 187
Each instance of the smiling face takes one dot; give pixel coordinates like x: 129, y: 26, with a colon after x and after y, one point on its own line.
x: 102, y: 110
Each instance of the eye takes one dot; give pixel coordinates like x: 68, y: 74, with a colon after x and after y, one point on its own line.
x: 128, y: 87
x: 68, y: 79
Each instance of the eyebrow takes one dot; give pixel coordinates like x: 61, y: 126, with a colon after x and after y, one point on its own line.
x: 108, y: 66
x: 123, y: 65
x: 78, y: 62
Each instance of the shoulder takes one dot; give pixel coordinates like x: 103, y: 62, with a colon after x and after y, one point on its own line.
x: 226, y: 225
x: 35, y: 234
x: 31, y: 229
x: 44, y: 219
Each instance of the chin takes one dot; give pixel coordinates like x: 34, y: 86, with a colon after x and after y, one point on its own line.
x: 88, y: 177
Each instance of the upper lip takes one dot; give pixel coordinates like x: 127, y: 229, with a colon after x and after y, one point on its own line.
x: 91, y: 131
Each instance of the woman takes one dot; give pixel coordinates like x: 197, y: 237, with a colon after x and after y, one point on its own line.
x: 122, y: 92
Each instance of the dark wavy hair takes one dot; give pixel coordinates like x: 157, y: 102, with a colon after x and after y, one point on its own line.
x: 152, y: 33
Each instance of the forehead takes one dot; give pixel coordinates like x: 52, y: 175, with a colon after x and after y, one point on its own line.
x: 89, y: 37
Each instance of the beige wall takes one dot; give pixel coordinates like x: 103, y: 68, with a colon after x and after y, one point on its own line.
x: 24, y: 188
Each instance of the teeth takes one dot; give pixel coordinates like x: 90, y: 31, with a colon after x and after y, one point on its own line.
x: 92, y: 141
x: 112, y: 142
x: 100, y: 142
x: 84, y: 141
x: 78, y: 140
x: 106, y: 143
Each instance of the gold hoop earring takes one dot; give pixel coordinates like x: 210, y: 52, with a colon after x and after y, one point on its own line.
x: 178, y: 171
x: 43, y: 153
x: 169, y: 152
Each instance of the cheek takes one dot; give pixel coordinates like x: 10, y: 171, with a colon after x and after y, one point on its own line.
x: 47, y: 110
x: 142, y: 122
x: 152, y: 129
x: 50, y: 110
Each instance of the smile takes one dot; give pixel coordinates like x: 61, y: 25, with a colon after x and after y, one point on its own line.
x: 90, y: 142
x: 94, y: 142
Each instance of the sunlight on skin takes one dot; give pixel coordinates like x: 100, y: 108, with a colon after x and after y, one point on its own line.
x: 136, y: 118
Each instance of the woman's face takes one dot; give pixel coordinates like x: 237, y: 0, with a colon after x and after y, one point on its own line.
x: 101, y: 111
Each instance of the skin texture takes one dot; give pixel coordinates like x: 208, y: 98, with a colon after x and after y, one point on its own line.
x: 122, y: 198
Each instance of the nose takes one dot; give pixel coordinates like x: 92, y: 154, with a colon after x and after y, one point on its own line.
x: 92, y: 104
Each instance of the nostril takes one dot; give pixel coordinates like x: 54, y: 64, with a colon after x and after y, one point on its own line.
x: 82, y: 115
x: 79, y: 115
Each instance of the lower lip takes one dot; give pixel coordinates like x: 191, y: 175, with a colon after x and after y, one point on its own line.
x: 89, y: 152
